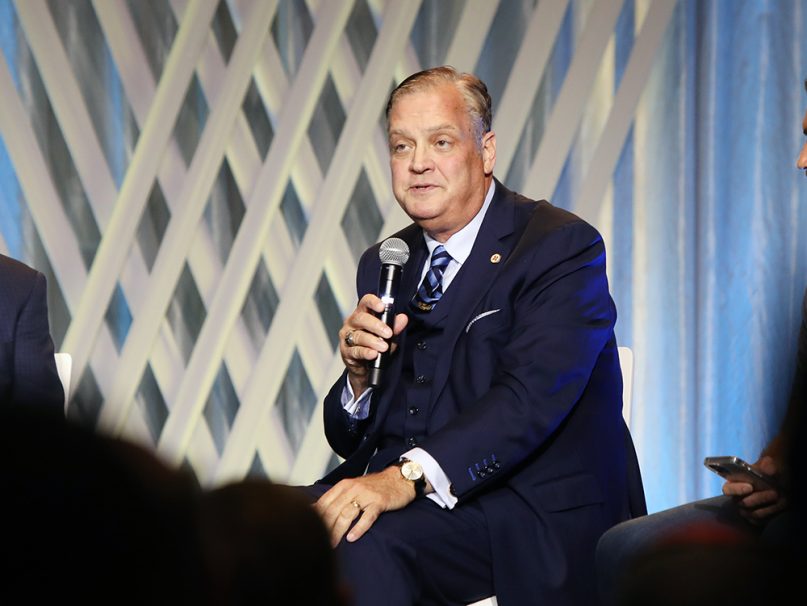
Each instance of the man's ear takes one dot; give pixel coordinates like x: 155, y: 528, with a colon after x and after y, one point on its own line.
x: 489, y: 151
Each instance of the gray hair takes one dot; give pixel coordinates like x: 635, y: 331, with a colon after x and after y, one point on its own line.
x: 472, y: 89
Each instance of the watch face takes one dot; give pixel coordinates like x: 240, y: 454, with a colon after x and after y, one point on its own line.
x: 411, y: 471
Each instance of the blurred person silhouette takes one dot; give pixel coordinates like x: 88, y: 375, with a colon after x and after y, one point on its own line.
x: 27, y: 367
x: 769, y: 523
x: 708, y: 564
x: 264, y: 544
x: 92, y: 519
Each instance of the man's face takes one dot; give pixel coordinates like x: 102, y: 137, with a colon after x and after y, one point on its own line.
x: 802, y: 161
x: 439, y: 173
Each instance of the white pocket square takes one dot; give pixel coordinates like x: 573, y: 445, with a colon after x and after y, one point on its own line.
x: 479, y: 317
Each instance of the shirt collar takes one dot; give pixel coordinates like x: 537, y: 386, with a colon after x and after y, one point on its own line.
x: 460, y: 244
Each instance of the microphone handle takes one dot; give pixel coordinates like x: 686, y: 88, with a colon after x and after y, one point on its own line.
x: 387, y: 289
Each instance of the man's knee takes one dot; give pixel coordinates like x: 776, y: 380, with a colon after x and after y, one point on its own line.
x: 378, y: 565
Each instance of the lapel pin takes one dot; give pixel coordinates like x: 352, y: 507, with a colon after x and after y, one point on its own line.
x: 495, y: 258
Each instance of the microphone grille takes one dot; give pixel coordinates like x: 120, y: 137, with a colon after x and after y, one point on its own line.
x: 394, y: 251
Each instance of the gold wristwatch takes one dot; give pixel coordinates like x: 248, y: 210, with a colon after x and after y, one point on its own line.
x: 413, y: 472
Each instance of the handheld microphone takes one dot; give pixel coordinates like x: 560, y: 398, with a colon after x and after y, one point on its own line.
x: 394, y: 253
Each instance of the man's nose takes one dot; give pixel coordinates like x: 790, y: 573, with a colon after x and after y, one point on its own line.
x: 421, y: 160
x: 802, y: 160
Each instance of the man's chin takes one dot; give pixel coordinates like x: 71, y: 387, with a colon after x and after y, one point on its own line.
x: 420, y: 209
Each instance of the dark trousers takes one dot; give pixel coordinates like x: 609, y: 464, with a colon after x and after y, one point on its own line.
x: 421, y: 554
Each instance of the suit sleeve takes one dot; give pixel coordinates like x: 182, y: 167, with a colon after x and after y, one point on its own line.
x: 562, y: 317
x: 36, y: 381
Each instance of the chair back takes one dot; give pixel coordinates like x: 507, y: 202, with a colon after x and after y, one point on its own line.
x: 626, y: 364
x: 64, y: 366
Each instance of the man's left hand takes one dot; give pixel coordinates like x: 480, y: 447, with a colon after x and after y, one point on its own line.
x: 757, y: 506
x: 364, y: 498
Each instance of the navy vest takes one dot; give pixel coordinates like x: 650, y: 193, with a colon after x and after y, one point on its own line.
x: 407, y: 420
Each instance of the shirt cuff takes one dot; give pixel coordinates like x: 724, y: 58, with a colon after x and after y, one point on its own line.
x: 357, y: 408
x: 436, y: 476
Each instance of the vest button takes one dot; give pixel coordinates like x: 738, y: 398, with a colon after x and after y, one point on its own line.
x: 412, y: 442
x: 413, y: 410
x: 420, y: 380
x: 421, y: 345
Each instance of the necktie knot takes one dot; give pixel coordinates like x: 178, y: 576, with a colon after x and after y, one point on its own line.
x: 431, y: 289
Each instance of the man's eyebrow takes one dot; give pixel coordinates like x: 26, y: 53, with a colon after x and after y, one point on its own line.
x: 431, y: 129
x: 446, y: 126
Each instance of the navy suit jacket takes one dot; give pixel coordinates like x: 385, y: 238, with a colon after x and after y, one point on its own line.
x: 28, y: 375
x: 526, y: 401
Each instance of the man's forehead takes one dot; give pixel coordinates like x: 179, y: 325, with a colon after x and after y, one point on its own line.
x: 446, y: 91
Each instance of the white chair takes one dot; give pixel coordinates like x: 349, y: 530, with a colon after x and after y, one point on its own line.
x: 626, y: 364
x: 64, y: 366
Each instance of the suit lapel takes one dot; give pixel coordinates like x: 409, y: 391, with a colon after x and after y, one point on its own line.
x: 472, y: 282
x: 476, y: 276
x: 410, y: 278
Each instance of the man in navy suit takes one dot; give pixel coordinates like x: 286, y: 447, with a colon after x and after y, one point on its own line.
x: 494, y: 454
x: 28, y: 374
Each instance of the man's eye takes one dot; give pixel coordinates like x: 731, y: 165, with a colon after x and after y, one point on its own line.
x: 443, y: 143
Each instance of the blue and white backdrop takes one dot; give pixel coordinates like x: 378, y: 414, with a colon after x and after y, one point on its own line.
x: 197, y: 179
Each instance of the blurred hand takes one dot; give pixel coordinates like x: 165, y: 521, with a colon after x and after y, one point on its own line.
x: 368, y: 334
x: 757, y: 506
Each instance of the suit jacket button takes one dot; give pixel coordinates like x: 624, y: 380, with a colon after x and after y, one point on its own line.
x: 482, y: 473
x: 412, y: 442
x: 413, y: 410
x: 421, y: 345
x: 496, y: 465
x: 420, y: 380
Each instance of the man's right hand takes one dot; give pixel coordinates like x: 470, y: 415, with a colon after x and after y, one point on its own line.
x: 367, y: 335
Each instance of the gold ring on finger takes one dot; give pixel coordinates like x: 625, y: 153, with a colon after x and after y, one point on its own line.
x: 349, y: 339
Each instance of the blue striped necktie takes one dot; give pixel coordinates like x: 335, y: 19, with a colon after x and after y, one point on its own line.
x: 431, y: 289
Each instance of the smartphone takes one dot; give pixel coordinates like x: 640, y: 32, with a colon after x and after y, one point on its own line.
x: 737, y: 470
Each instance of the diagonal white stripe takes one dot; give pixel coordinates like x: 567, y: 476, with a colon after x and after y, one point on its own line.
x: 124, y: 44
x: 79, y: 134
x: 182, y: 228
x: 331, y: 201
x: 621, y: 116
x: 568, y: 109
x: 246, y: 248
x: 112, y: 251
x: 471, y: 32
x: 525, y: 77
x: 47, y: 211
